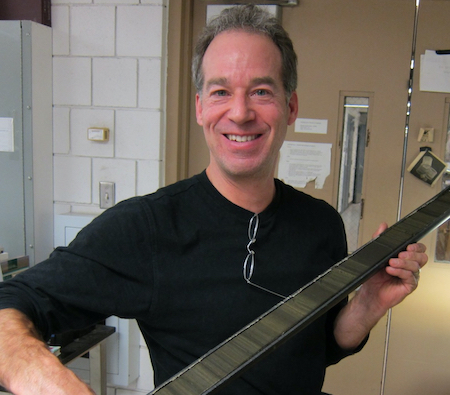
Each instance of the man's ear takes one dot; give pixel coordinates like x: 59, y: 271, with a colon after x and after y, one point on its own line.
x: 198, y: 109
x: 293, y: 108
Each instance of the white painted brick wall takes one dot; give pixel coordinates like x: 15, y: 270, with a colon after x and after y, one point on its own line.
x: 72, y: 81
x: 139, y: 138
x: 61, y: 139
x: 80, y: 120
x: 139, y: 31
x: 72, y: 175
x: 114, y: 82
x: 92, y: 31
x: 108, y: 71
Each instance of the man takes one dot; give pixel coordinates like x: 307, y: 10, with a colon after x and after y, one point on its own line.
x: 198, y: 260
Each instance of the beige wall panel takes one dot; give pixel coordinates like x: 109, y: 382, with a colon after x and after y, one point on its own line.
x: 366, y: 46
x: 428, y: 108
x: 419, y: 349
x: 419, y: 344
x: 350, y: 45
x: 360, y: 373
x: 419, y: 353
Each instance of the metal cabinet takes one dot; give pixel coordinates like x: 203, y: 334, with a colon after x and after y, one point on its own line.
x: 26, y: 165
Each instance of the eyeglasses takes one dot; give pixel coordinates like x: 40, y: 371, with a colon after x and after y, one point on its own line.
x: 249, y: 262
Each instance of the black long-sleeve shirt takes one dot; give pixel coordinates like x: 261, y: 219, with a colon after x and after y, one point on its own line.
x: 173, y: 260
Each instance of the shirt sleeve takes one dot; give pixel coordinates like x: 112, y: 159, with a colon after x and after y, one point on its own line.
x: 106, y: 270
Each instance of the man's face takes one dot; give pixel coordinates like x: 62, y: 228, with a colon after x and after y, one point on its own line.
x: 243, y: 107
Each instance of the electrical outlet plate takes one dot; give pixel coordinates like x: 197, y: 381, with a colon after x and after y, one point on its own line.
x: 107, y: 194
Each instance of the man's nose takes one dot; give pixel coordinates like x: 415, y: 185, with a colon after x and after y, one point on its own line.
x: 241, y: 110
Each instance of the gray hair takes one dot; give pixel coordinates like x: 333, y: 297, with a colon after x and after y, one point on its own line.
x: 252, y: 19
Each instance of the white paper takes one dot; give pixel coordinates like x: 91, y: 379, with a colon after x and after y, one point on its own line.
x: 301, y: 163
x: 434, y: 72
x: 6, y: 135
x: 309, y: 125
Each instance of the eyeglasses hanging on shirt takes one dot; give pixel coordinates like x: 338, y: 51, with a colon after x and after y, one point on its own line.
x: 249, y: 262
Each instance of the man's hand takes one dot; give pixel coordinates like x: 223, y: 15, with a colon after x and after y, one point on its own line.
x: 27, y: 367
x: 376, y: 296
x: 390, y: 286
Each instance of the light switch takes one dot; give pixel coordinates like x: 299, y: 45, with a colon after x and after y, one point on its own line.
x: 107, y: 194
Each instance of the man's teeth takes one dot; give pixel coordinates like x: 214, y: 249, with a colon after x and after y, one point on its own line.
x: 241, y: 139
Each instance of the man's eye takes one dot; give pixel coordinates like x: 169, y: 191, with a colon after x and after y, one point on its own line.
x: 261, y: 92
x: 220, y: 93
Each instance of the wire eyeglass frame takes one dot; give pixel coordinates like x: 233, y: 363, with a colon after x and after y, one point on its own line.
x: 249, y: 262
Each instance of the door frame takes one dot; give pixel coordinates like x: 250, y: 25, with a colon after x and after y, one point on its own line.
x: 178, y: 89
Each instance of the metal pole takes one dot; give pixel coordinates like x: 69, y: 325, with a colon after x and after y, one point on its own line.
x: 402, y: 178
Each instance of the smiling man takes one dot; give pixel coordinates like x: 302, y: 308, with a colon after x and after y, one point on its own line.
x: 198, y: 260
x: 244, y: 112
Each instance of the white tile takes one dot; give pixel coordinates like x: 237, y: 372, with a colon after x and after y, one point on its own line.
x: 72, y: 182
x: 61, y: 131
x: 121, y: 172
x: 150, y: 83
x: 85, y: 209
x: 139, y: 30
x: 80, y: 121
x: 138, y: 134
x: 145, y: 381
x: 92, y: 31
x: 115, y: 82
x: 147, y: 176
x: 60, y: 208
x: 60, y: 30
x: 71, y: 81
x: 142, y: 342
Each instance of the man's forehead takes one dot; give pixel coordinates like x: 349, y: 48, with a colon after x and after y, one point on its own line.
x: 242, y: 51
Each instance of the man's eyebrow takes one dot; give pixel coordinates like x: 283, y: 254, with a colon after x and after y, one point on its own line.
x: 222, y: 81
x: 263, y: 80
x: 216, y: 81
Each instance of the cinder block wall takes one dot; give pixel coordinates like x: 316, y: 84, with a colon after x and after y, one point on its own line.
x: 108, y: 71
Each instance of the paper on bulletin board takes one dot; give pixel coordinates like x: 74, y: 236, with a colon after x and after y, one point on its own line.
x: 6, y: 134
x: 308, y: 125
x: 301, y: 163
x: 434, y: 72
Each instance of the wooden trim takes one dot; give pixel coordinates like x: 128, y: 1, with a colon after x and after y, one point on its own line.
x: 178, y: 89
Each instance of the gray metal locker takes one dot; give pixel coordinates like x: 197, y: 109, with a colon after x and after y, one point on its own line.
x: 26, y: 164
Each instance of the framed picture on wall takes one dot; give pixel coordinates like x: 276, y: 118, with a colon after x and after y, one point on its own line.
x: 427, y: 167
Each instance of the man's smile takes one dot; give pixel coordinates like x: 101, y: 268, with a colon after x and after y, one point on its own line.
x: 242, y: 139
